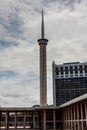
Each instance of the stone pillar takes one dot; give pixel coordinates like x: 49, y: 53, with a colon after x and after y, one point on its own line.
x: 54, y: 120
x: 33, y: 120
x: 77, y: 109
x: 86, y: 113
x: 64, y: 118
x: 44, y: 119
x: 24, y: 119
x: 15, y: 119
x: 74, y: 118
x: 7, y: 116
x: 81, y: 116
x: 68, y: 118
x: 71, y: 119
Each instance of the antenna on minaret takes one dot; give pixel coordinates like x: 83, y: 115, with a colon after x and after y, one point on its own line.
x: 42, y: 26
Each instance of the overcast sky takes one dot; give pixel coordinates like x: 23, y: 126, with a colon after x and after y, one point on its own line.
x: 20, y: 22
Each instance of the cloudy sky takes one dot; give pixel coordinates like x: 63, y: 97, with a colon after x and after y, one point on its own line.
x: 66, y: 30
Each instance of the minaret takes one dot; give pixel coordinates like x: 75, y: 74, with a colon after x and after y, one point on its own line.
x: 43, y: 66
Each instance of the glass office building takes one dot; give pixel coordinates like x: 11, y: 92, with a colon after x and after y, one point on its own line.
x: 69, y: 81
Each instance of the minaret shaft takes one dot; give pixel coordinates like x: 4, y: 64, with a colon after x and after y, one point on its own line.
x: 43, y: 76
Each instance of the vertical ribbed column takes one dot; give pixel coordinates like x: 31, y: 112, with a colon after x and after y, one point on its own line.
x: 74, y: 118
x: 86, y: 113
x: 68, y: 118
x: 15, y: 119
x: 81, y: 116
x: 54, y: 119
x: 24, y: 120
x: 43, y: 72
x: 43, y: 75
x: 33, y: 119
x: 44, y: 119
x: 77, y: 108
x: 7, y: 116
x: 71, y: 119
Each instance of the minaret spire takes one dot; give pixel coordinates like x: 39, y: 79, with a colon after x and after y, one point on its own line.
x: 42, y: 26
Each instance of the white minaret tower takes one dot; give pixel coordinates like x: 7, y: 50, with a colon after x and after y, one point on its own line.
x: 43, y: 66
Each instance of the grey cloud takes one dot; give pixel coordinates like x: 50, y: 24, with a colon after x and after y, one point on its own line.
x: 14, y: 95
x: 10, y: 19
x: 6, y: 44
x: 12, y: 25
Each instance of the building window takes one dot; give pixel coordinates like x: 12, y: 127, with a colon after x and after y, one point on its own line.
x: 57, y: 71
x: 81, y: 71
x: 71, y: 69
x: 76, y: 69
x: 61, y: 70
x: 85, y: 67
x: 66, y: 70
x: 80, y: 67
